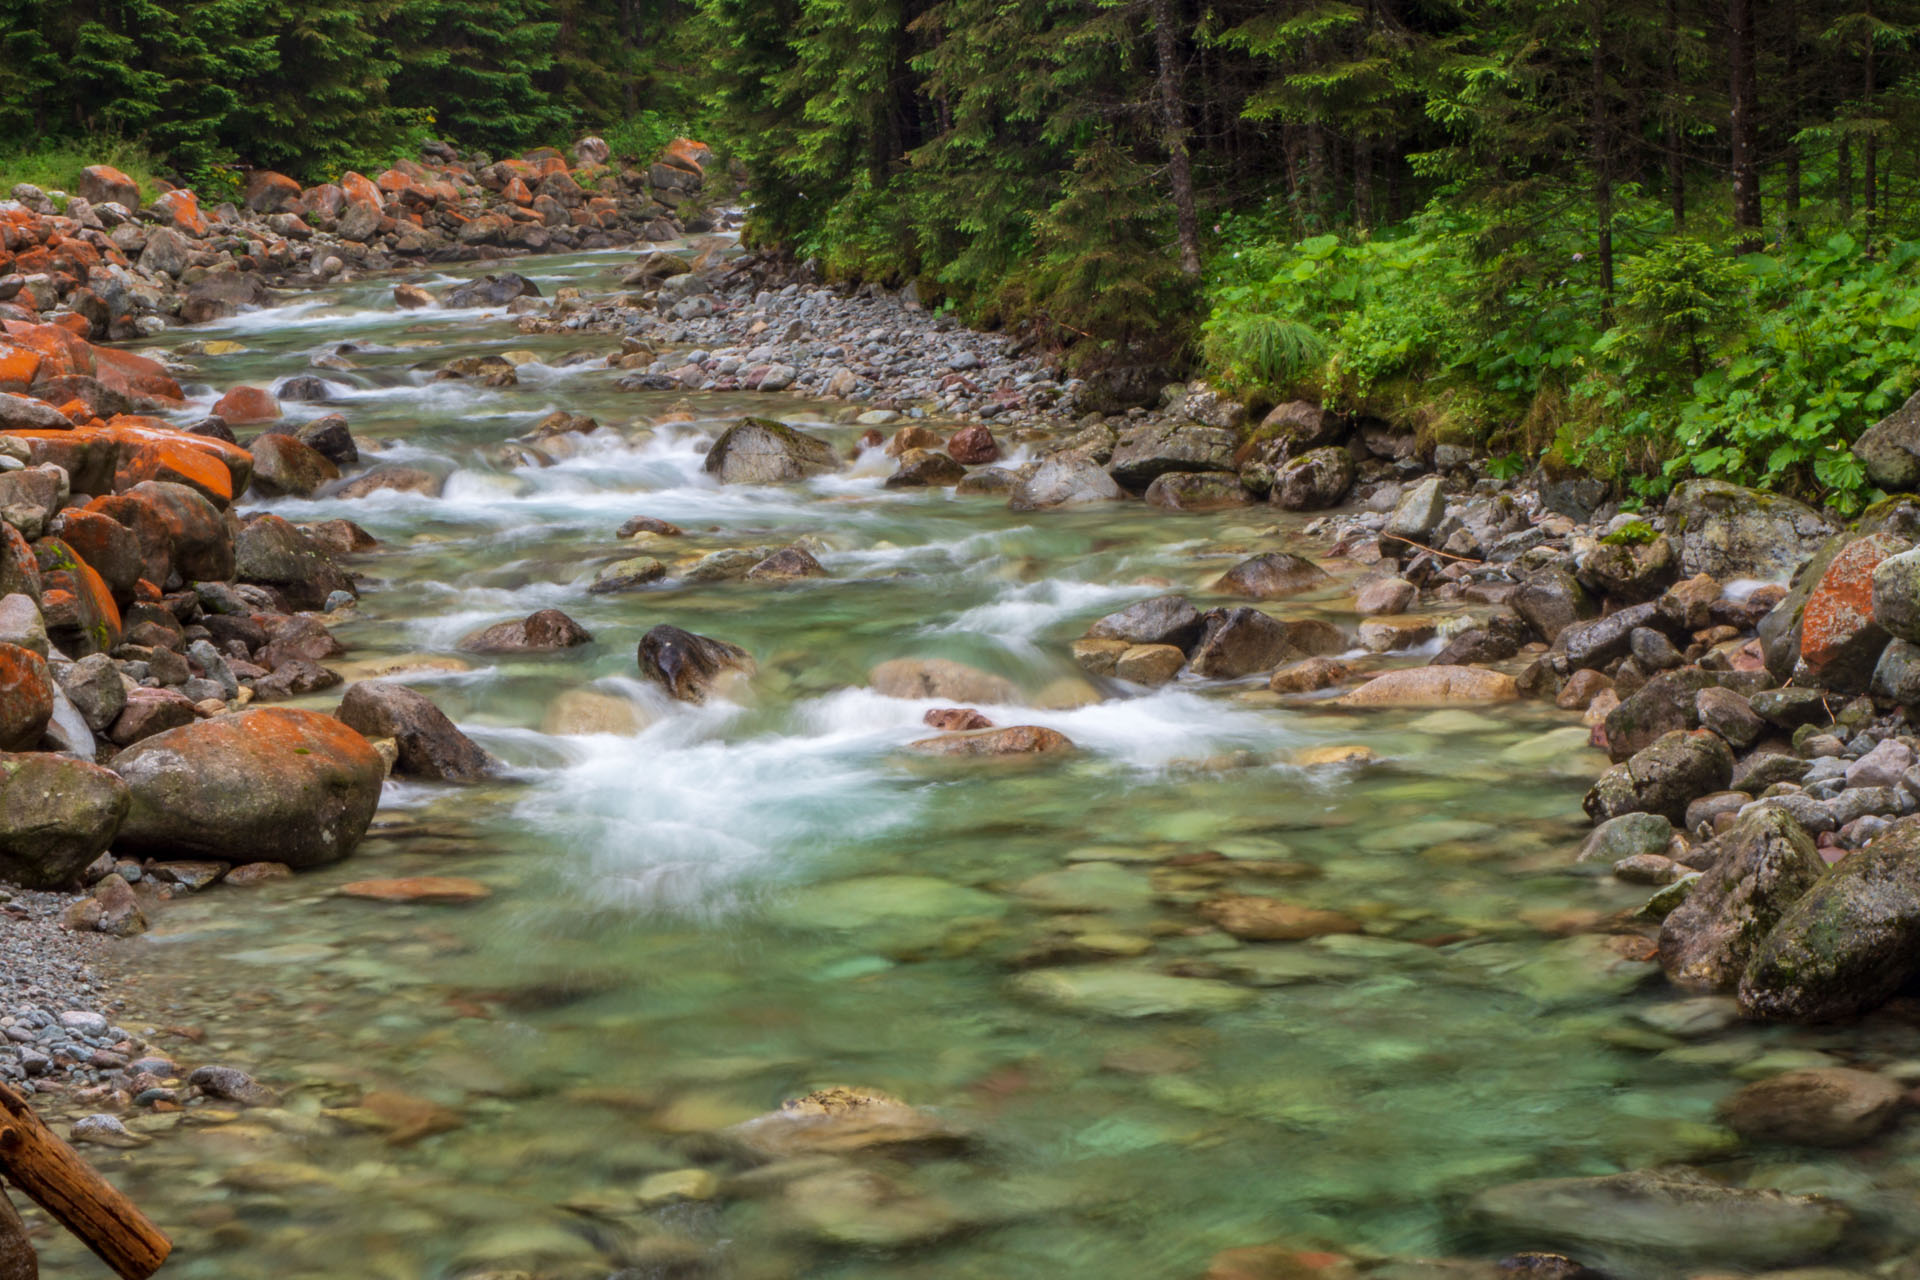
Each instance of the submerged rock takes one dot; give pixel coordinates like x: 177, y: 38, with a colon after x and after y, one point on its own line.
x: 942, y: 678
x: 841, y: 1120
x: 689, y: 666
x: 1677, y: 1215
x: 1433, y: 687
x: 1015, y: 740
x: 1824, y: 1107
x: 274, y: 784
x: 547, y: 631
x: 1850, y: 943
x: 1127, y: 990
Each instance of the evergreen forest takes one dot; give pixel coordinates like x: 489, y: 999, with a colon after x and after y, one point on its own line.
x: 1649, y: 239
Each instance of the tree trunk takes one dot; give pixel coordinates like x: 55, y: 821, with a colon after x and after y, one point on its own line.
x: 53, y: 1176
x: 1745, y: 121
x: 1676, y: 162
x: 1174, y: 126
x: 1362, y: 184
x: 1790, y: 18
x: 1602, y: 148
x: 1843, y: 177
x: 1870, y: 158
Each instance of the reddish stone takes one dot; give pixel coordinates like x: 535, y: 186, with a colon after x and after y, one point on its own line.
x: 270, y: 192
x: 516, y: 191
x: 143, y: 381
x: 1278, y: 1262
x: 974, y: 446
x: 108, y: 546
x: 80, y: 612
x: 1839, y: 640
x: 327, y: 200
x: 26, y: 698
x: 956, y: 719
x: 150, y: 711
x: 180, y: 209
x: 685, y: 153
x: 18, y: 367
x: 178, y: 528
x: 19, y: 571
x: 104, y: 184
x: 247, y: 406
x: 360, y: 189
x: 442, y: 889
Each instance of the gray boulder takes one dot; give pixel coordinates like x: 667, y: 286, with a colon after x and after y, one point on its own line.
x: 269, y: 551
x: 1273, y: 576
x: 1162, y: 620
x: 688, y: 665
x: 1761, y: 866
x: 1850, y: 943
x: 1419, y: 512
x: 1145, y: 453
x: 56, y: 816
x: 1064, y: 481
x: 1896, y: 595
x: 1240, y: 642
x: 1551, y: 600
x: 429, y: 745
x: 1731, y: 532
x: 1664, y: 778
x: 1890, y: 448
x: 760, y: 451
x: 1314, y: 481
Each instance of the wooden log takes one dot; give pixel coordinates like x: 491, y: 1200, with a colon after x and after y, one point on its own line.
x: 17, y: 1260
x: 54, y: 1176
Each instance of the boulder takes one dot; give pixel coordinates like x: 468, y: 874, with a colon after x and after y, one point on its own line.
x: 1730, y: 532
x: 110, y: 548
x: 689, y: 666
x: 1314, y: 481
x: 1628, y: 574
x: 1677, y: 1215
x: 1820, y: 1107
x: 1890, y: 449
x: 1551, y: 600
x: 57, y: 815
x: 1895, y: 603
x: 926, y: 469
x: 942, y: 678
x: 492, y: 291
x: 1851, y: 941
x: 1240, y: 642
x: 147, y: 712
x: 788, y: 564
x: 179, y: 531
x: 224, y: 293
x: 283, y: 466
x: 246, y: 407
x: 1273, y: 576
x: 1663, y: 778
x: 548, y: 631
x: 1146, y: 452
x: 760, y: 451
x: 1257, y: 919
x: 273, y: 784
x: 1309, y: 675
x: 1759, y: 868
x: 1016, y: 740
x: 1198, y: 491
x: 26, y: 698
x: 103, y: 184
x: 1840, y: 640
x: 973, y: 446
x: 429, y: 745
x: 1433, y: 687
x: 1418, y: 513
x: 1162, y: 620
x: 1062, y: 481
x: 94, y: 687
x: 269, y: 551
x: 21, y: 624
x: 1148, y: 664
x: 1667, y: 702
x: 389, y: 480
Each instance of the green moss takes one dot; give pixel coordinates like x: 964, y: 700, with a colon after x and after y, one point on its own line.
x: 1635, y: 533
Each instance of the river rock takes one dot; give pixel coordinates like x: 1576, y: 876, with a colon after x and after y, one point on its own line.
x: 1384, y: 597
x: 688, y: 666
x: 788, y: 564
x: 1851, y: 941
x: 1418, y: 513
x: 1146, y: 452
x: 840, y: 1120
x: 283, y: 466
x: 56, y: 816
x: 761, y: 451
x: 1552, y: 600
x: 1257, y: 919
x: 1273, y: 576
x: 974, y: 446
x: 548, y: 631
x: 1667, y: 702
x: 1730, y: 532
x: 1162, y: 620
x: 1677, y: 1215
x: 1630, y: 835
x: 1840, y: 641
x: 1759, y: 868
x: 1433, y: 687
x: 1895, y: 603
x: 1730, y: 715
x: 21, y: 624
x: 626, y: 575
x: 1310, y: 675
x: 1240, y: 642
x: 942, y: 678
x: 1129, y: 990
x: 389, y: 479
x: 1890, y: 449
x: 147, y: 712
x: 26, y: 697
x: 1822, y: 1107
x: 269, y: 551
x: 926, y: 469
x: 179, y: 530
x: 1663, y: 778
x: 1314, y: 481
x: 446, y: 891
x: 230, y: 1084
x: 1149, y: 664
x: 430, y: 746
x: 1014, y: 740
x: 1197, y: 491
x: 274, y: 784
x: 492, y: 291
x: 1063, y: 481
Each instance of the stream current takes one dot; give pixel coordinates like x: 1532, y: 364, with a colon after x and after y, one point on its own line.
x: 733, y: 904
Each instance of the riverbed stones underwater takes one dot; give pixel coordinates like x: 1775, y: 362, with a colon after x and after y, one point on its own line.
x: 1061, y: 1007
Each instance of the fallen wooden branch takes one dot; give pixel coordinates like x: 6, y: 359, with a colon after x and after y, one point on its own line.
x: 54, y: 1176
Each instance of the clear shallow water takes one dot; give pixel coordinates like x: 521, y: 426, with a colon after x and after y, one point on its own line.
x: 746, y: 901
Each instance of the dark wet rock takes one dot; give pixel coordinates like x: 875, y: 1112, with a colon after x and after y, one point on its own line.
x: 1629, y: 574
x: 1551, y: 600
x: 294, y: 678
x: 1730, y: 715
x: 1241, y: 642
x: 1897, y: 675
x: 1604, y: 641
x: 1314, y: 481
x: 430, y: 745
x: 1850, y: 943
x: 1663, y: 778
x: 788, y: 564
x: 1499, y: 640
x: 1675, y: 1214
x: 1667, y: 702
x: 626, y: 575
x: 1652, y: 651
x: 1162, y: 620
x: 493, y: 291
x: 688, y: 666
x: 926, y: 469
x: 1146, y: 452
x: 547, y: 631
x: 1791, y: 708
x: 57, y: 815
x: 1628, y: 836
x: 1273, y: 576
x: 973, y: 446
x: 269, y: 551
x: 1760, y: 867
x: 1016, y: 740
x: 1823, y: 1107
x: 761, y: 451
x: 329, y: 436
x: 274, y: 784
x: 1730, y: 532
x: 283, y: 466
x: 1063, y: 481
x: 648, y: 524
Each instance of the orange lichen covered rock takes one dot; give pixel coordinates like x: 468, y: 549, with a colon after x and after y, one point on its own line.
x: 26, y: 697
x: 274, y: 784
x: 178, y: 530
x: 19, y: 366
x: 81, y: 615
x: 685, y: 153
x: 247, y: 406
x: 180, y: 209
x: 145, y: 382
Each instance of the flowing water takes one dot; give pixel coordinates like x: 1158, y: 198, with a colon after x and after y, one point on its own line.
x: 746, y: 901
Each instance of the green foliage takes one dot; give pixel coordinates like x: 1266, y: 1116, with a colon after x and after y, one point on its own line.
x: 641, y: 136
x: 56, y: 165
x: 1634, y: 533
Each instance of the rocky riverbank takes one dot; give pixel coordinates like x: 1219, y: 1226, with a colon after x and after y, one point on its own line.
x: 1740, y: 656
